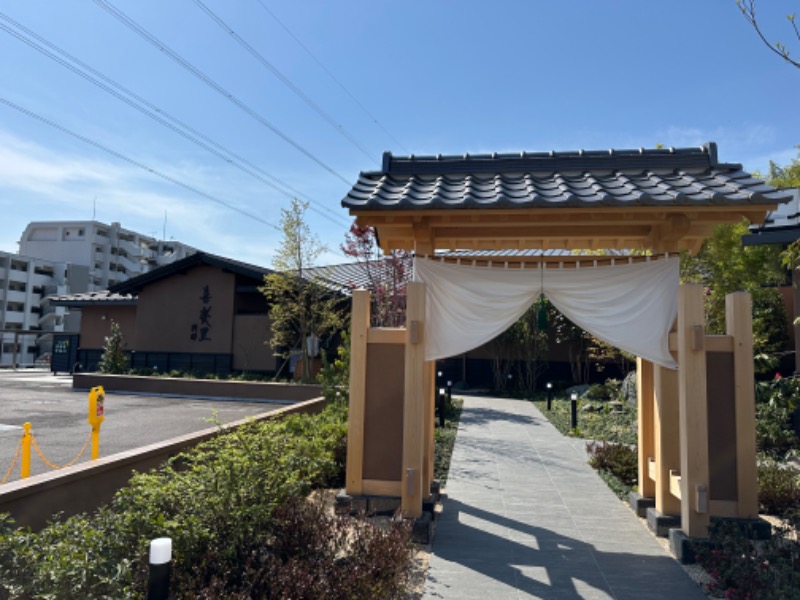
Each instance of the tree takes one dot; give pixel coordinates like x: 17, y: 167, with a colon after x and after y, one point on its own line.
x: 385, y: 275
x: 783, y: 177
x: 523, y: 345
x: 301, y: 310
x: 748, y: 8
x: 723, y: 266
x: 114, y: 360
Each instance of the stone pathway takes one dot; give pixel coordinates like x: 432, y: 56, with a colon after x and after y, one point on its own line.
x: 526, y: 517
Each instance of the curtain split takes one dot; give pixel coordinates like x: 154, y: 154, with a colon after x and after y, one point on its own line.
x: 630, y: 306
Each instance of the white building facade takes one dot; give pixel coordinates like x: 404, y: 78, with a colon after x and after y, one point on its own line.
x: 113, y: 254
x: 66, y: 257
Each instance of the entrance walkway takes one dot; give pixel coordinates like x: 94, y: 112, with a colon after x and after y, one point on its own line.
x: 526, y: 517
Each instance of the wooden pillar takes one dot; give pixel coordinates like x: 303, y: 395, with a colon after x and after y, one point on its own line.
x: 795, y: 315
x: 667, y: 446
x: 414, y: 402
x: 646, y: 445
x: 693, y: 412
x: 430, y: 421
x: 739, y: 320
x: 359, y: 327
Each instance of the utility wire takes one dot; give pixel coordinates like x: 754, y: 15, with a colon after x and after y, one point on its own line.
x: 119, y: 155
x: 285, y: 80
x: 162, y: 117
x: 332, y: 76
x: 143, y: 33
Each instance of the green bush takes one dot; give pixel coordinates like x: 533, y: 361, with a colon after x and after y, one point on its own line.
x: 114, y: 360
x: 611, y: 389
x: 445, y: 439
x: 215, y: 501
x: 778, y: 487
x: 619, y: 459
x: 774, y: 434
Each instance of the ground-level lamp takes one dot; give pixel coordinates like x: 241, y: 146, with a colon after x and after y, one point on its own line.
x: 549, y: 396
x: 160, y: 559
x: 574, y: 412
x: 441, y: 406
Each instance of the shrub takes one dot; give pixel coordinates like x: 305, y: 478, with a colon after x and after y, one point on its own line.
x: 774, y: 435
x: 778, y: 488
x: 314, y: 554
x: 743, y: 569
x: 113, y: 359
x: 619, y: 459
x: 216, y: 501
x: 603, y: 392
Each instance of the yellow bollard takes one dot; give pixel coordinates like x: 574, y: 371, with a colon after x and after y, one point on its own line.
x: 97, y: 397
x: 25, y: 465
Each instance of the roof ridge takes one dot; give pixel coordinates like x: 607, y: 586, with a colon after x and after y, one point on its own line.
x: 704, y: 156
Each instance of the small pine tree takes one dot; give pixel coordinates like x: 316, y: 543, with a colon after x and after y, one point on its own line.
x: 114, y: 360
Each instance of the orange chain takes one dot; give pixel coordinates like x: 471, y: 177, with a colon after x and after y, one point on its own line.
x: 13, y: 463
x: 70, y: 463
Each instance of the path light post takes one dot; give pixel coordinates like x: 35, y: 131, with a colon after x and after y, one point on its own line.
x: 549, y: 396
x: 441, y: 406
x: 574, y: 412
x: 449, y: 391
x: 160, y: 559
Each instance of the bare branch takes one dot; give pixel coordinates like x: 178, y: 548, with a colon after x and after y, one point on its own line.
x: 748, y: 8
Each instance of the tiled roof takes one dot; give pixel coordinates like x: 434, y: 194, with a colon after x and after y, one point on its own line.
x: 612, y: 178
x: 346, y: 277
x: 93, y: 298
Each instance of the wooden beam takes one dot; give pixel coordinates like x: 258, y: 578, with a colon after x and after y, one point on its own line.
x: 430, y: 422
x: 379, y: 487
x: 713, y: 343
x: 414, y: 402
x: 693, y: 414
x: 386, y: 335
x: 675, y: 485
x: 667, y: 448
x: 359, y: 327
x: 739, y: 320
x: 646, y: 445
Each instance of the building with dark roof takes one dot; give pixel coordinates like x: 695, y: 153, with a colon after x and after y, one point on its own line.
x: 200, y: 313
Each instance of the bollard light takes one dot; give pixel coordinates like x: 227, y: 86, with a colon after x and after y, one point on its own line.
x: 160, y: 559
x: 574, y: 411
x: 440, y: 405
x: 549, y: 396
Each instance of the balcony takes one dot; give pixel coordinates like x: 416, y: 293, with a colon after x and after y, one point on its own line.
x: 14, y: 319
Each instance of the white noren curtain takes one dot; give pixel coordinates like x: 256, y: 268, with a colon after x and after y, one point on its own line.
x: 630, y: 306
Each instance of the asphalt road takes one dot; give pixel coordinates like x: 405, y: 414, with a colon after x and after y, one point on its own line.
x: 58, y: 418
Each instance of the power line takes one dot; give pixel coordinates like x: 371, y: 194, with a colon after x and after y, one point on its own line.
x: 332, y: 76
x: 119, y: 155
x: 285, y: 80
x: 149, y: 109
x: 143, y: 33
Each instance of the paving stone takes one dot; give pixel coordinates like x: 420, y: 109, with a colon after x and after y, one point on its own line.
x: 525, y: 516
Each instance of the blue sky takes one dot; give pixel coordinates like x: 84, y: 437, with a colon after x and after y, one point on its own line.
x: 428, y: 77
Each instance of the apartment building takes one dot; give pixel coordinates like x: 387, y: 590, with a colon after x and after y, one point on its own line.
x: 113, y: 254
x: 25, y: 284
x: 66, y: 257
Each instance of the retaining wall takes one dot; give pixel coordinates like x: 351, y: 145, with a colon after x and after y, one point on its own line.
x: 86, y: 486
x: 203, y: 388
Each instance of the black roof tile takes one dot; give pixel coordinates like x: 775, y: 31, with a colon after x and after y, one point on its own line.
x: 647, y: 177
